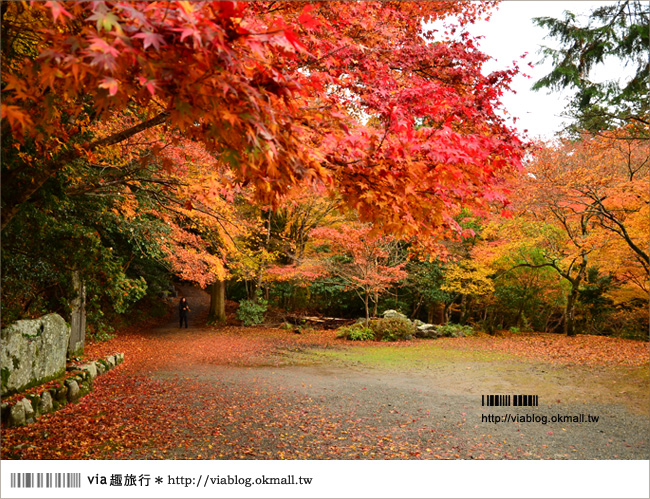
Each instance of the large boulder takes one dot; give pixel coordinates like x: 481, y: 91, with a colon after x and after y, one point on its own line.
x: 427, y: 331
x: 33, y: 352
x: 389, y: 314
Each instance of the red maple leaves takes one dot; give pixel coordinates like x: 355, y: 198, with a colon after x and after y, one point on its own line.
x: 353, y: 97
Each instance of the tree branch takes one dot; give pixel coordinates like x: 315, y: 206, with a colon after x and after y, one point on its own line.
x: 16, y: 195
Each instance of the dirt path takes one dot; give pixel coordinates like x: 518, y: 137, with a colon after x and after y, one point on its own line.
x: 388, y: 415
x: 374, y: 412
x: 255, y: 393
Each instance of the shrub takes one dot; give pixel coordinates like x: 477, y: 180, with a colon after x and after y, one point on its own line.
x: 392, y: 329
x: 356, y: 332
x: 97, y: 328
x: 100, y: 333
x: 251, y: 312
x: 455, y: 331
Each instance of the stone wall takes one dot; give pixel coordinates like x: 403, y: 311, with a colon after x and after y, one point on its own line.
x: 33, y: 352
x: 28, y: 409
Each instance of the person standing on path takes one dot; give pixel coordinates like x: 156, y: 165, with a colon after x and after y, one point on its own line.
x: 183, y: 309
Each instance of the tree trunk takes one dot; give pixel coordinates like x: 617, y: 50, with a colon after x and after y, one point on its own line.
x: 365, y: 304
x: 217, y: 303
x: 436, y: 313
x: 570, y: 313
x: 77, y: 317
x: 446, y: 312
x: 261, y: 270
x: 520, y: 313
x: 463, y: 309
x: 430, y: 311
x: 416, y: 308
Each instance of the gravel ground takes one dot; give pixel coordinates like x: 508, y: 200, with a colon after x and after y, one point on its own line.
x: 263, y: 393
x: 337, y: 410
x: 420, y: 416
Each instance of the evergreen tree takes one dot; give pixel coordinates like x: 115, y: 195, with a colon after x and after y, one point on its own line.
x: 616, y: 30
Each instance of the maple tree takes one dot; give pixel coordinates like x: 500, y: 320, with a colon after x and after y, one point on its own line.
x: 528, y: 258
x: 286, y: 106
x: 367, y: 262
x: 311, y: 151
x: 582, y: 205
x: 173, y: 208
x: 603, y: 179
x: 118, y: 58
x: 428, y: 139
x: 291, y: 224
x: 294, y: 267
x: 397, y: 121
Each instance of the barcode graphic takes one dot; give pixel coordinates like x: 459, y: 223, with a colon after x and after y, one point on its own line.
x: 47, y: 480
x: 508, y: 400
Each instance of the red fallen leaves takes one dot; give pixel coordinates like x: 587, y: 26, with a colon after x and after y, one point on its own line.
x: 173, y: 398
x: 198, y: 394
x: 231, y: 346
x: 555, y: 348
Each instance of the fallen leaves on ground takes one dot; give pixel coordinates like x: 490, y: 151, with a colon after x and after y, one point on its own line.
x: 149, y: 407
x: 586, y: 350
x: 176, y: 397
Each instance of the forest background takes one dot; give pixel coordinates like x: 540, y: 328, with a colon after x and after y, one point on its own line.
x: 324, y: 158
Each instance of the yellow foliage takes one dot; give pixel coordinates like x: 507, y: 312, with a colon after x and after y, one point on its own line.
x: 468, y: 278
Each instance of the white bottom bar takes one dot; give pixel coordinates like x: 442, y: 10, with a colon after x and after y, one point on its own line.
x: 333, y: 479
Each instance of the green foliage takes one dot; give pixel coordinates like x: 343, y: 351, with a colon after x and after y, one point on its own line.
x: 527, y: 298
x: 289, y: 296
x: 424, y: 284
x: 455, y: 330
x: 469, y: 222
x: 392, y: 329
x: 42, y: 248
x: 330, y: 296
x: 628, y: 322
x: 118, y: 256
x: 326, y: 295
x: 356, y: 332
x: 615, y: 30
x: 395, y: 302
x: 98, y: 332
x: 251, y: 312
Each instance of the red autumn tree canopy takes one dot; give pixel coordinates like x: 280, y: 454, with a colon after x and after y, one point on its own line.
x: 367, y: 263
x: 357, y: 97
